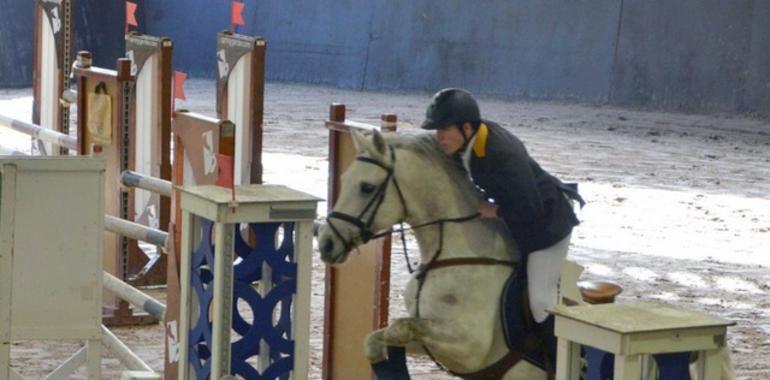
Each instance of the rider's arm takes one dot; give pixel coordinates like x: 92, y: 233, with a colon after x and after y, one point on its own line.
x: 515, y: 188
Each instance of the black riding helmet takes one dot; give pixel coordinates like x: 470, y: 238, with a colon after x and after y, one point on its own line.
x: 451, y: 106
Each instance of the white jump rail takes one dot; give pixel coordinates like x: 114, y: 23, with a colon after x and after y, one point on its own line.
x: 133, y: 179
x: 39, y: 132
x: 122, y: 352
x: 135, y: 231
x: 5, y: 151
x: 134, y: 296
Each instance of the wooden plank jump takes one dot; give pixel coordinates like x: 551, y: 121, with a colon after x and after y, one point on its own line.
x: 364, y: 280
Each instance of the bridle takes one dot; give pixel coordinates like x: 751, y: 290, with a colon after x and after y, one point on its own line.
x: 362, y: 221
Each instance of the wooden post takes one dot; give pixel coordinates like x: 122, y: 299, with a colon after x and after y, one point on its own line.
x: 240, y: 99
x: 364, y: 280
x: 53, y: 41
x: 209, y: 135
x: 114, y: 144
x: 150, y: 150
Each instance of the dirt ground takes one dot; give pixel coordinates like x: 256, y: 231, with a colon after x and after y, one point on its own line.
x: 678, y: 204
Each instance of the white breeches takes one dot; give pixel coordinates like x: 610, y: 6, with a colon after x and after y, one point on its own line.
x: 543, y: 271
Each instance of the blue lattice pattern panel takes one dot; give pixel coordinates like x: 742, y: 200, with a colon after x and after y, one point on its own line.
x: 201, y: 283
x: 274, y: 247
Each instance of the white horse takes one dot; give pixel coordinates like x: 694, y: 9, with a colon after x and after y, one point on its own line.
x: 453, y: 299
x: 454, y: 306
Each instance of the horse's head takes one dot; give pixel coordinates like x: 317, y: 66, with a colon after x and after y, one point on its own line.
x: 369, y: 200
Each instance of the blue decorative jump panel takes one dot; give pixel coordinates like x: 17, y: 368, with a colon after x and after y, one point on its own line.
x: 273, y: 248
x: 601, y: 365
x: 201, y: 283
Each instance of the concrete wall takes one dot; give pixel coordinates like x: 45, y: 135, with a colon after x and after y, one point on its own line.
x: 708, y: 55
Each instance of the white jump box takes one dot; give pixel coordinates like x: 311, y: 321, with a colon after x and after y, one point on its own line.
x: 62, y: 301
x: 632, y: 330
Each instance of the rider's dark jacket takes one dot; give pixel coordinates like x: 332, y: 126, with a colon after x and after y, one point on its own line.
x: 531, y: 201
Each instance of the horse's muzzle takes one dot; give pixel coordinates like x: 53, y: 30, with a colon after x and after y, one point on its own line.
x: 332, y: 252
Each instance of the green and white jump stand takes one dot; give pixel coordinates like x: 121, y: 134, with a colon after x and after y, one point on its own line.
x: 247, y: 266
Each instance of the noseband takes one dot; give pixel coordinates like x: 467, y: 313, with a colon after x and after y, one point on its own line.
x: 362, y: 221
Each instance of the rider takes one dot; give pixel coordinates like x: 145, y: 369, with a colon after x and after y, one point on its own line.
x: 534, y: 205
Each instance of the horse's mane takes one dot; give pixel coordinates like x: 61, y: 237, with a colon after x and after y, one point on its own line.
x: 426, y: 146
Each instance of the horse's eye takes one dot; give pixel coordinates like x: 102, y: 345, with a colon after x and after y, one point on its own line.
x: 367, y: 188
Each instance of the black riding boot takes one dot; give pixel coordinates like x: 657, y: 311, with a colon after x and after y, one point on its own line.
x: 545, y: 332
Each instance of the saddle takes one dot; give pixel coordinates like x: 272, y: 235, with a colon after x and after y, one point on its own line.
x: 518, y: 324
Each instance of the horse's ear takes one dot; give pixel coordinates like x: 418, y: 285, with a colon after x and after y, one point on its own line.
x: 379, y: 142
x: 359, y: 141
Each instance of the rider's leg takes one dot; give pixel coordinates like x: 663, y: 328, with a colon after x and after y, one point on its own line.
x: 543, y: 271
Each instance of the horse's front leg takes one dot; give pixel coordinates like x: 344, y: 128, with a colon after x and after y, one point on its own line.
x: 388, y: 361
x: 386, y: 348
x: 376, y: 344
x: 415, y: 333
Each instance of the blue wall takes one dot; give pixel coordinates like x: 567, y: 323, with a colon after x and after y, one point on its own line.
x: 99, y: 27
x: 709, y: 55
x: 16, y: 43
x: 538, y: 48
x: 694, y: 54
x: 704, y: 55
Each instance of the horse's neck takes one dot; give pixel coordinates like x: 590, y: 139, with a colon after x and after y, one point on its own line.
x: 439, y: 201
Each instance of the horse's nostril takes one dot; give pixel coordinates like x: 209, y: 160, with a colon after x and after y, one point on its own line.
x: 327, y: 246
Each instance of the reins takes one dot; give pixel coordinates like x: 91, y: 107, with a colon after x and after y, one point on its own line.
x: 403, y: 236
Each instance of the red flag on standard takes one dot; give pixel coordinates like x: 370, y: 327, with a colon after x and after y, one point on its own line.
x: 236, y: 15
x: 179, y: 78
x: 131, y: 14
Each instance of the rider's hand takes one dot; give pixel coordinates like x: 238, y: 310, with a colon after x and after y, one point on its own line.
x: 487, y: 210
